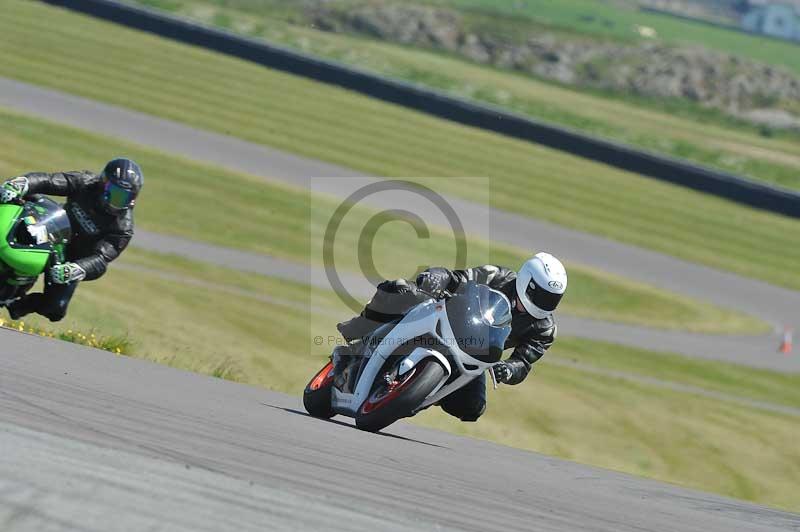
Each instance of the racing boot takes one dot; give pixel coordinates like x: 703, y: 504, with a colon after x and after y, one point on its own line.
x: 23, y: 306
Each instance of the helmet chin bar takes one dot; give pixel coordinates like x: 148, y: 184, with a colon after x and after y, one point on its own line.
x: 108, y: 209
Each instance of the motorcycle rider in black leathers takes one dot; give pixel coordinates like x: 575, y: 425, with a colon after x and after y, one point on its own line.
x: 100, y: 210
x: 534, y: 293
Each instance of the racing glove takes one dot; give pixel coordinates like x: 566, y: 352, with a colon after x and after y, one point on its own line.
x: 502, y: 372
x: 66, y: 273
x: 13, y: 189
x: 434, y: 281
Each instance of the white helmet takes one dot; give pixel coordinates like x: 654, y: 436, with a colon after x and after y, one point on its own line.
x: 541, y: 283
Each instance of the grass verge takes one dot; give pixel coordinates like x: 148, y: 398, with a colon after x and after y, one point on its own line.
x: 277, y: 220
x: 660, y: 125
x: 119, y: 345
x: 615, y: 423
x: 182, y: 314
x: 752, y: 383
x: 612, y: 20
x: 60, y: 49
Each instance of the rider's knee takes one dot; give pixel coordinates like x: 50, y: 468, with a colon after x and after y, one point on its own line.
x: 473, y: 411
x: 55, y: 316
x: 468, y: 410
x: 56, y: 311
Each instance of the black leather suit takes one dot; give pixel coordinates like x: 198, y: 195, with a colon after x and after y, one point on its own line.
x: 530, y: 337
x: 98, y: 237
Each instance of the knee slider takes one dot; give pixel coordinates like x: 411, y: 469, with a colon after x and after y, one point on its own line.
x: 56, y: 312
x: 474, y: 411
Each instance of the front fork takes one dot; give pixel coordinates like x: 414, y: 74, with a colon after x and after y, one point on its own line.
x: 13, y: 287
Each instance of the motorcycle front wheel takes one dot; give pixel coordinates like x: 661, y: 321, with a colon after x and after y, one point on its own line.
x: 388, y: 402
x: 317, y: 395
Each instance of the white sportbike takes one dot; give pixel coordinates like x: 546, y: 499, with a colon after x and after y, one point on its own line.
x: 404, y: 367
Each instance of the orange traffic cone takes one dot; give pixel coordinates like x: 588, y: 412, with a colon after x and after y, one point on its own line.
x: 786, y: 345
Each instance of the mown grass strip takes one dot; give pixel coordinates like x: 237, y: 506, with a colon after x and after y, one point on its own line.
x: 666, y: 126
x: 235, y: 210
x: 751, y: 383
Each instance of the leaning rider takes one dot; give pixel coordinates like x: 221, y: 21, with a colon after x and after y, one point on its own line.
x: 100, y: 210
x: 534, y: 293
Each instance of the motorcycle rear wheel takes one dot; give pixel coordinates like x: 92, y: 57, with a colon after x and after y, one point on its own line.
x: 317, y: 395
x: 387, y: 404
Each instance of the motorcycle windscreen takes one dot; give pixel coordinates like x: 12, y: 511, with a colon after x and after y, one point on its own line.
x: 481, y: 321
x: 47, y: 221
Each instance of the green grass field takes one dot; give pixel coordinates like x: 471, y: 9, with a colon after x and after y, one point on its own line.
x: 666, y: 126
x: 224, y: 323
x: 601, y: 18
x: 605, y: 18
x: 277, y: 220
x: 119, y: 345
x: 59, y: 49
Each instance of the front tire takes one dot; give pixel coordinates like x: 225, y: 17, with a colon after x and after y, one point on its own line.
x: 385, y: 404
x: 317, y: 395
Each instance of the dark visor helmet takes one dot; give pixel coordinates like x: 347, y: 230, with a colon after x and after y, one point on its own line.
x: 541, y: 283
x: 122, y: 182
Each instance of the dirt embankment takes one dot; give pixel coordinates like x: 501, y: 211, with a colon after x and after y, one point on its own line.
x: 741, y: 87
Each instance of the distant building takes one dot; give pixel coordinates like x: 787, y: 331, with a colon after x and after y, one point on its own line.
x: 776, y: 18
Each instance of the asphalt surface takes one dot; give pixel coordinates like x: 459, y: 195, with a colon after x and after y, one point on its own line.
x: 92, y: 441
x: 776, y: 305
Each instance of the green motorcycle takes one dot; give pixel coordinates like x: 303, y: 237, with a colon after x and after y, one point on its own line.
x: 33, y: 236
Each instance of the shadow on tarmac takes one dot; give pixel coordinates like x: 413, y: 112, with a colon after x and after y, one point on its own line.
x: 350, y: 425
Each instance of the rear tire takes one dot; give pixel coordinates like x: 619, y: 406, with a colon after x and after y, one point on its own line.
x: 317, y: 395
x: 376, y: 413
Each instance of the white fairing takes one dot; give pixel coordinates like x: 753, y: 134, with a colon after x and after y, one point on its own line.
x: 421, y: 321
x: 418, y: 355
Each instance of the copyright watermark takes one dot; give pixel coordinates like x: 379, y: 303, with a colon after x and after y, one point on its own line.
x: 332, y: 341
x: 366, y: 231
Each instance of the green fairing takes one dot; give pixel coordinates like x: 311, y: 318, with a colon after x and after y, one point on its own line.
x: 24, y: 262
x: 60, y: 251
